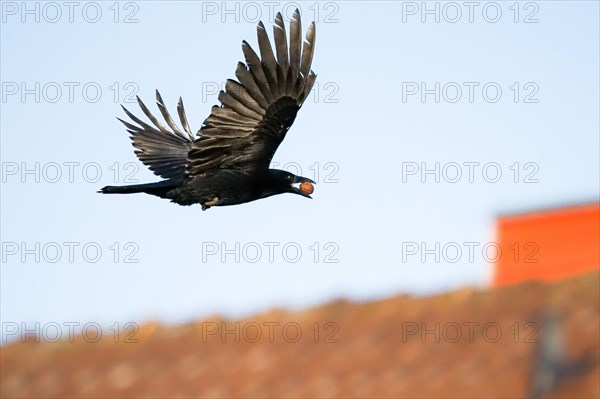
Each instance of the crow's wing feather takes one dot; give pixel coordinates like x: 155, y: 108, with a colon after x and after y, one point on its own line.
x: 256, y: 113
x: 254, y: 116
x: 164, y: 151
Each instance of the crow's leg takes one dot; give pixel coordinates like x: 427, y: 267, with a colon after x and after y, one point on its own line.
x: 208, y: 204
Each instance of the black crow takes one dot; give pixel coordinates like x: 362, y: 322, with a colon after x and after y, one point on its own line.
x: 228, y: 162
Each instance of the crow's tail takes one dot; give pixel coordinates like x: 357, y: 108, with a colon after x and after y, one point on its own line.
x: 159, y: 189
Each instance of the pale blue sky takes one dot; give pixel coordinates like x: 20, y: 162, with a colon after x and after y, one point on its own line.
x: 357, y: 126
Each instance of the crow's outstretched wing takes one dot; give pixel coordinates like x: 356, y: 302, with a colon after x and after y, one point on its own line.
x: 256, y: 112
x: 163, y: 150
x: 254, y: 116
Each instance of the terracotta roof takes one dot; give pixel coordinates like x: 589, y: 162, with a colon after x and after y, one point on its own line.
x: 462, y: 344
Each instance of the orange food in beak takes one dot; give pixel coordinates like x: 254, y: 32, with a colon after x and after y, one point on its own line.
x: 307, y: 188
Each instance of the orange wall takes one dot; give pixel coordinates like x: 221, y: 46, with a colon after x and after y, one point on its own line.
x: 548, y: 245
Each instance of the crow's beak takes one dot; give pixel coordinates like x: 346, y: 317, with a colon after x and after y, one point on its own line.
x: 296, y: 183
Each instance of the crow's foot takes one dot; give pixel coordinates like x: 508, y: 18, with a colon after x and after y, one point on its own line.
x: 208, y: 204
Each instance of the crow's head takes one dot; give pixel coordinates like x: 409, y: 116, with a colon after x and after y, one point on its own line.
x: 281, y: 181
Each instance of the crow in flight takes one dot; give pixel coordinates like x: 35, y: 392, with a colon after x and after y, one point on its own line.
x: 228, y: 163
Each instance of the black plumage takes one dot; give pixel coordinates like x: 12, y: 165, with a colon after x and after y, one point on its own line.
x: 228, y: 162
